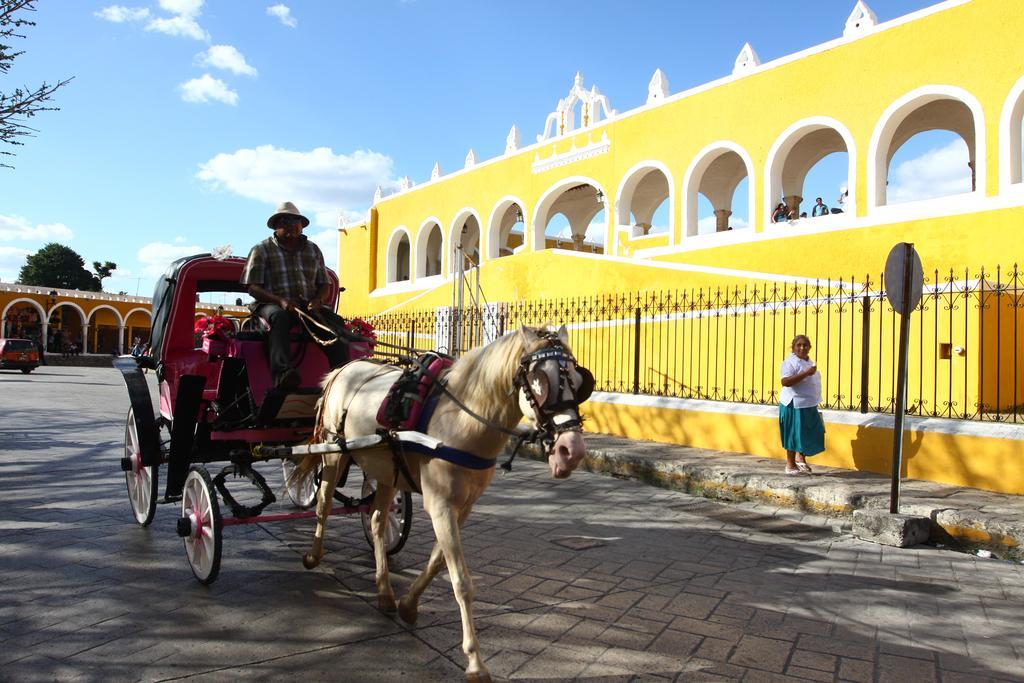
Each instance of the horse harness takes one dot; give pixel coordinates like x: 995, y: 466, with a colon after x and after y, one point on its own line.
x: 412, y: 399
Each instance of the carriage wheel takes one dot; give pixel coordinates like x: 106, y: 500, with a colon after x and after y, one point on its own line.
x: 301, y: 493
x: 399, y: 519
x: 142, y: 481
x: 200, y: 526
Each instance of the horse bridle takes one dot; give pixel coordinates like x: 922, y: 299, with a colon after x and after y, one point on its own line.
x: 551, y: 392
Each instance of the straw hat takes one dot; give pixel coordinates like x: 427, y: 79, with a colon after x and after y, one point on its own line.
x: 287, y: 209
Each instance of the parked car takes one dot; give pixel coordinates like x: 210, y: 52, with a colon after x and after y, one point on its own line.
x: 18, y: 354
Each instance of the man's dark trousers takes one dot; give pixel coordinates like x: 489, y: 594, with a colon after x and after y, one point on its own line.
x: 278, y: 343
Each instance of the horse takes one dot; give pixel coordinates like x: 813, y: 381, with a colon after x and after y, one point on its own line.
x: 485, y: 394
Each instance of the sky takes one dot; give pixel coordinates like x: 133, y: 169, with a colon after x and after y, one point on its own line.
x: 188, y: 121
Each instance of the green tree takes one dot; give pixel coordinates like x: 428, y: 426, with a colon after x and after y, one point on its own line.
x: 103, y: 270
x: 58, y: 266
x: 18, y: 106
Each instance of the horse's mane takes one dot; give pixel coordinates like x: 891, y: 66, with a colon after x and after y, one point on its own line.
x: 482, y: 378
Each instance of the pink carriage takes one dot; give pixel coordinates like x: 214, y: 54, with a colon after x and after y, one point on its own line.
x: 218, y: 405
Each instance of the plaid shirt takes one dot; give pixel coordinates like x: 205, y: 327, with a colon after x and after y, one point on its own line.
x: 289, y: 274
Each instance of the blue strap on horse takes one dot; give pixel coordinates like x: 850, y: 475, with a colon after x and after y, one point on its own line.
x: 452, y: 455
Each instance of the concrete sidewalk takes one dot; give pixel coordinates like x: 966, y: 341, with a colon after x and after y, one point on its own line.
x: 960, y: 516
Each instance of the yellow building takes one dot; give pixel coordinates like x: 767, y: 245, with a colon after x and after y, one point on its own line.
x: 633, y: 290
x: 94, y: 322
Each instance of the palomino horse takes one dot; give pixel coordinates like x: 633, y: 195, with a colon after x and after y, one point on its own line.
x: 529, y: 371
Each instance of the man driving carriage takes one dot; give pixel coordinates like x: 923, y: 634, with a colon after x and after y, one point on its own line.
x: 285, y: 273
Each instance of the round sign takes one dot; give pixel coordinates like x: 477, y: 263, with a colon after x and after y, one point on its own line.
x: 903, y: 257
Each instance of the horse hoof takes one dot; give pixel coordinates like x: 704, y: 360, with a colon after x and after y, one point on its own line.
x: 386, y: 603
x: 309, y: 561
x: 407, y: 612
x: 478, y: 677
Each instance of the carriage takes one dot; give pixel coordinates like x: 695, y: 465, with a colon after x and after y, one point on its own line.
x: 220, y: 416
x: 218, y: 405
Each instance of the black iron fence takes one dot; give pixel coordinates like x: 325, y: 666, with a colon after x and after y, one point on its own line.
x: 726, y: 344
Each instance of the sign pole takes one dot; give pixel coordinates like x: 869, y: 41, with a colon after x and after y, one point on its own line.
x: 904, y: 310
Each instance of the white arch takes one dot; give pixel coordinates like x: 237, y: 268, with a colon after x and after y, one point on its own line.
x: 391, y: 262
x: 549, y: 197
x: 43, y: 322
x: 117, y: 313
x: 72, y: 304
x: 696, y: 169
x: 494, y: 225
x: 784, y: 144
x: 890, y: 120
x: 422, y: 237
x: 1010, y: 172
x: 148, y: 312
x: 460, y: 217
x: 630, y: 179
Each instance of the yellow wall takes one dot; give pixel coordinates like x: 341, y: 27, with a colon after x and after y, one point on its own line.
x: 989, y: 463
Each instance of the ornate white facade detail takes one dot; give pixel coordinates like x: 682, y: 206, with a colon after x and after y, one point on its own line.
x: 563, y: 118
x: 657, y: 89
x: 591, y: 149
x: 378, y: 194
x: 746, y: 60
x: 471, y: 159
x: 435, y: 173
x: 404, y: 184
x: 861, y: 20
x: 512, y: 141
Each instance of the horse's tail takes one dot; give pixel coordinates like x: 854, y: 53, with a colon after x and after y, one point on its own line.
x: 307, y: 465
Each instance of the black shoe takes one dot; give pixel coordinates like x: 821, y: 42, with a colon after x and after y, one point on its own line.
x: 288, y: 380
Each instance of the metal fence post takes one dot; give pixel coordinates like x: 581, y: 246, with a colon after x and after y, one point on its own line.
x: 636, y: 353
x: 865, y: 347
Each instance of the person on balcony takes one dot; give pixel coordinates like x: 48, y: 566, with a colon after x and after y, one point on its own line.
x: 285, y: 273
x: 820, y: 209
x: 800, y: 424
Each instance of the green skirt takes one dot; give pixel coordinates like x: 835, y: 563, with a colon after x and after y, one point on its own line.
x: 802, y: 430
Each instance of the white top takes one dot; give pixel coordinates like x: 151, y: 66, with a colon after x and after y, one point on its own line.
x: 807, y: 392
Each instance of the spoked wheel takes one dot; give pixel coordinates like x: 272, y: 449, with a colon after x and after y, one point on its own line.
x: 301, y: 493
x: 142, y: 481
x: 399, y: 518
x: 200, y: 526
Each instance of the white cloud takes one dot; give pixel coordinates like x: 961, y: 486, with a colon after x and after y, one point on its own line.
x: 936, y: 173
x: 226, y: 57
x: 188, y: 8
x: 207, y: 88
x: 11, y: 261
x: 14, y: 228
x: 120, y: 14
x: 323, y: 184
x: 185, y: 27
x: 156, y: 256
x: 284, y: 13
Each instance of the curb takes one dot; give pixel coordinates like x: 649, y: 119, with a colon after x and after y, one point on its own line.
x: 832, y: 492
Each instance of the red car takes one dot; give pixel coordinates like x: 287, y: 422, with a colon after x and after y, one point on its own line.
x: 18, y: 354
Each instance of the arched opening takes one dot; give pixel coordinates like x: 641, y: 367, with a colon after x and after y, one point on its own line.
x: 1011, y: 138
x: 810, y: 171
x: 465, y: 242
x: 137, y: 324
x: 23, y: 319
x: 104, y: 330
x: 429, y: 249
x: 68, y: 324
x: 571, y: 216
x: 398, y: 255
x: 933, y: 165
x: 717, y: 191
x: 507, y: 231
x: 644, y: 201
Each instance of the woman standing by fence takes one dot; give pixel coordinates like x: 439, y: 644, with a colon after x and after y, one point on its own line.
x: 800, y: 423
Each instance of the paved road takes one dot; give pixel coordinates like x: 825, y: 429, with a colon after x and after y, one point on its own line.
x: 593, y: 578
